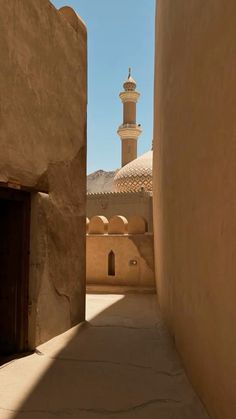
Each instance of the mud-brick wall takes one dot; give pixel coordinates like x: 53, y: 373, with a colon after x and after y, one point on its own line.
x: 127, y: 204
x: 195, y: 190
x: 133, y: 259
x: 43, y: 146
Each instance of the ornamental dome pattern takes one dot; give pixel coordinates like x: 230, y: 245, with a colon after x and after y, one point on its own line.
x: 136, y: 175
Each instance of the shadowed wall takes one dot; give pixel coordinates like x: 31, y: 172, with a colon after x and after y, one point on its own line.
x: 195, y: 190
x: 43, y: 138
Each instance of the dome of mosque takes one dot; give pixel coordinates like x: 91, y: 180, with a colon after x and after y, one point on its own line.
x: 136, y: 175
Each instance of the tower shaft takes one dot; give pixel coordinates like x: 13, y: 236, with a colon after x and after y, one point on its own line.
x: 129, y: 131
x: 129, y: 151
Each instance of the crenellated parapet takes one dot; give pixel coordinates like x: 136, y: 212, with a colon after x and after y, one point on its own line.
x: 118, y: 224
x: 119, y: 254
x: 141, y: 193
x: 128, y: 204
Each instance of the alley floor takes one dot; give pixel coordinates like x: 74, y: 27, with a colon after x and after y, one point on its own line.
x: 121, y: 363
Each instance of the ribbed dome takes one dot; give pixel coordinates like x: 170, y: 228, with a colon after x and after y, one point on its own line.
x: 135, y: 175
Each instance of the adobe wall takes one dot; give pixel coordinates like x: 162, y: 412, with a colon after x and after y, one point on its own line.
x: 127, y: 204
x: 134, y: 262
x: 43, y: 139
x: 195, y: 190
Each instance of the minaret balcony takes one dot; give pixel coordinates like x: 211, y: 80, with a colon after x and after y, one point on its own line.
x: 129, y: 131
x: 129, y: 96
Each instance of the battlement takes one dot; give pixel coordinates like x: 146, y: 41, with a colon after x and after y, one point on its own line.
x: 118, y: 224
x: 141, y: 193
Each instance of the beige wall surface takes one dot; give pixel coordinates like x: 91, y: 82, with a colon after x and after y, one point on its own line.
x: 195, y: 190
x: 129, y: 113
x: 126, y: 204
x: 129, y: 150
x: 127, y: 249
x: 43, y: 137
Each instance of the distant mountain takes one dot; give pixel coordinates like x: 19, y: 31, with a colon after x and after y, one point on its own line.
x: 100, y: 181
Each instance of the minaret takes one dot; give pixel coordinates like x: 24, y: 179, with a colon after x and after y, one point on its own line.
x: 129, y: 131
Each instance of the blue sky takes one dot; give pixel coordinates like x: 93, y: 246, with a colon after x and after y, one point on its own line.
x: 120, y: 35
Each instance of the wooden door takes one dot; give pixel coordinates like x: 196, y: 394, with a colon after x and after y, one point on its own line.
x: 14, y: 267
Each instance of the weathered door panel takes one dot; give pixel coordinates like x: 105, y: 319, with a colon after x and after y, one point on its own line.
x: 14, y: 245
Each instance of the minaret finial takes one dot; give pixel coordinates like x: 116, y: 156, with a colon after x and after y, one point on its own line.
x: 129, y: 73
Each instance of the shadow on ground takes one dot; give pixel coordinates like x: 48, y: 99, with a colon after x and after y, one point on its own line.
x: 121, y: 363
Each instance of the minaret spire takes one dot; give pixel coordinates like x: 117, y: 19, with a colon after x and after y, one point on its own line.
x: 129, y: 131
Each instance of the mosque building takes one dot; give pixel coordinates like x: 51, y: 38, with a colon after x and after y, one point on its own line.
x: 131, y: 192
x: 119, y: 222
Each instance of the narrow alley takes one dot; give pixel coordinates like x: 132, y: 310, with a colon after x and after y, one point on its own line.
x: 121, y: 363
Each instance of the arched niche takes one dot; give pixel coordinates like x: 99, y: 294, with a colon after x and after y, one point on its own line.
x: 118, y: 225
x: 137, y: 225
x: 111, y: 264
x: 98, y: 225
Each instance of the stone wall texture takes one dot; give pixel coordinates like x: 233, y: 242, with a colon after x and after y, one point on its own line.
x: 195, y: 190
x: 43, y: 146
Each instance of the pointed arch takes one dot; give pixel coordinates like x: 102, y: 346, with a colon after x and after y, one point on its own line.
x: 111, y: 264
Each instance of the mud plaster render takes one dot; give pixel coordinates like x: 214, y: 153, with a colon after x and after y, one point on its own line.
x: 43, y: 146
x: 126, y: 204
x: 127, y: 248
x: 194, y: 190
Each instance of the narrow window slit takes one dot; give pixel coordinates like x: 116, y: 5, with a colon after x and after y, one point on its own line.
x: 111, y: 264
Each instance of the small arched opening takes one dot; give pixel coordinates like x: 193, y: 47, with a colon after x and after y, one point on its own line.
x: 111, y: 264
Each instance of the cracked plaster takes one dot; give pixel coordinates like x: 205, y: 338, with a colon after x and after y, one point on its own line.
x: 141, y: 377
x: 43, y: 148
